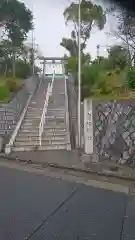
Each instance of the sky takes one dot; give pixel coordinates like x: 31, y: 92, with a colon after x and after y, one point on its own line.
x: 50, y: 28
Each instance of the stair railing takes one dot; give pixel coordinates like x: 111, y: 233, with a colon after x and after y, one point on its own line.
x: 67, y: 115
x: 43, y: 116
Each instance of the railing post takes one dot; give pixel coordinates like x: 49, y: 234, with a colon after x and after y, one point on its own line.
x: 43, y: 116
x: 67, y: 116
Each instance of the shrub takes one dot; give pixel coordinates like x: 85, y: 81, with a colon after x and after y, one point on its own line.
x: 117, y: 71
x: 13, y: 84
x: 107, y: 83
x: 109, y: 73
x: 4, y: 93
x: 85, y: 92
x: 23, y: 70
x: 131, y: 78
x: 89, y: 75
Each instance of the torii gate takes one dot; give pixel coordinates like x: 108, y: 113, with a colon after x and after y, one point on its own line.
x: 52, y: 63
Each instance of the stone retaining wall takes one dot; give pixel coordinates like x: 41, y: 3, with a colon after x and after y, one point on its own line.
x: 114, y: 131
x: 10, y: 113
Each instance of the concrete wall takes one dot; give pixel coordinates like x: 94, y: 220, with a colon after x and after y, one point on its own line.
x: 10, y: 113
x: 114, y: 131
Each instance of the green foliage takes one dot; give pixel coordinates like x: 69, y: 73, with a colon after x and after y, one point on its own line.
x: 90, y: 74
x: 70, y: 46
x: 103, y: 63
x: 15, y: 63
x: 109, y: 84
x: 104, y: 84
x: 23, y: 70
x: 85, y: 92
x: 118, y: 57
x: 91, y: 15
x: 72, y: 65
x: 13, y: 84
x: 17, y: 19
x: 4, y: 92
x: 131, y: 78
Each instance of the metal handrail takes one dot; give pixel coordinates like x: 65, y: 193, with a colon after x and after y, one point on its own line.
x: 43, y: 116
x: 67, y: 116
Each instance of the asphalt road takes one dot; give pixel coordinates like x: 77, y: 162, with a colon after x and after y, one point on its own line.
x: 36, y: 207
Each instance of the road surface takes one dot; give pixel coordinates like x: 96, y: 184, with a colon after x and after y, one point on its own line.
x: 37, y: 207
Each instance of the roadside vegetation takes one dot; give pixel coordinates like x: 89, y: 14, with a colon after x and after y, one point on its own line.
x: 109, y: 77
x: 16, y: 57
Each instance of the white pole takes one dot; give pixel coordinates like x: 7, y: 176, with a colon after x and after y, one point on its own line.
x: 33, y: 54
x: 79, y: 74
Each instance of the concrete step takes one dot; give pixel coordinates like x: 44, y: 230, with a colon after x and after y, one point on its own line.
x: 30, y: 124
x: 51, y: 118
x: 51, y: 113
x: 33, y: 120
x: 30, y: 127
x: 56, y: 109
x: 39, y: 148
x: 33, y: 115
x: 27, y: 135
x: 55, y: 117
x: 35, y: 112
x: 47, y: 133
x: 54, y: 133
x: 56, y: 122
x: 61, y: 127
x: 56, y: 113
x: 44, y: 143
x: 35, y: 109
x: 22, y: 138
x: 30, y: 116
x: 29, y: 131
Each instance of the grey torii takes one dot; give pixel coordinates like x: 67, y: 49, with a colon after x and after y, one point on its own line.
x: 52, y: 60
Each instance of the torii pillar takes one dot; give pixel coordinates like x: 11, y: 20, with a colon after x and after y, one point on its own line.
x: 44, y: 67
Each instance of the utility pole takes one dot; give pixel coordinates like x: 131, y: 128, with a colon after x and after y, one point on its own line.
x: 33, y: 55
x: 79, y: 75
x: 98, y: 49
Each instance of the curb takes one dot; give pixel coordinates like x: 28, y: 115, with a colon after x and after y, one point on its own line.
x: 73, y: 168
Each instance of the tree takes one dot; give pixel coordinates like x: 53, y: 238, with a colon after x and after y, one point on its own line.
x: 6, y: 56
x: 131, y: 78
x: 118, y: 57
x: 72, y: 64
x: 16, y: 19
x: 103, y: 63
x: 125, y: 31
x: 70, y: 46
x: 22, y: 62
x: 129, y: 6
x: 91, y: 15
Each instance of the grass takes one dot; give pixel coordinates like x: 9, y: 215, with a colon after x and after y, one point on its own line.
x: 112, y: 96
x: 8, y: 85
x: 4, y: 93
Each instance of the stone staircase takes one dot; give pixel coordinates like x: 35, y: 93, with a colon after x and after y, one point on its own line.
x: 55, y: 128
x: 55, y: 133
x: 27, y: 138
